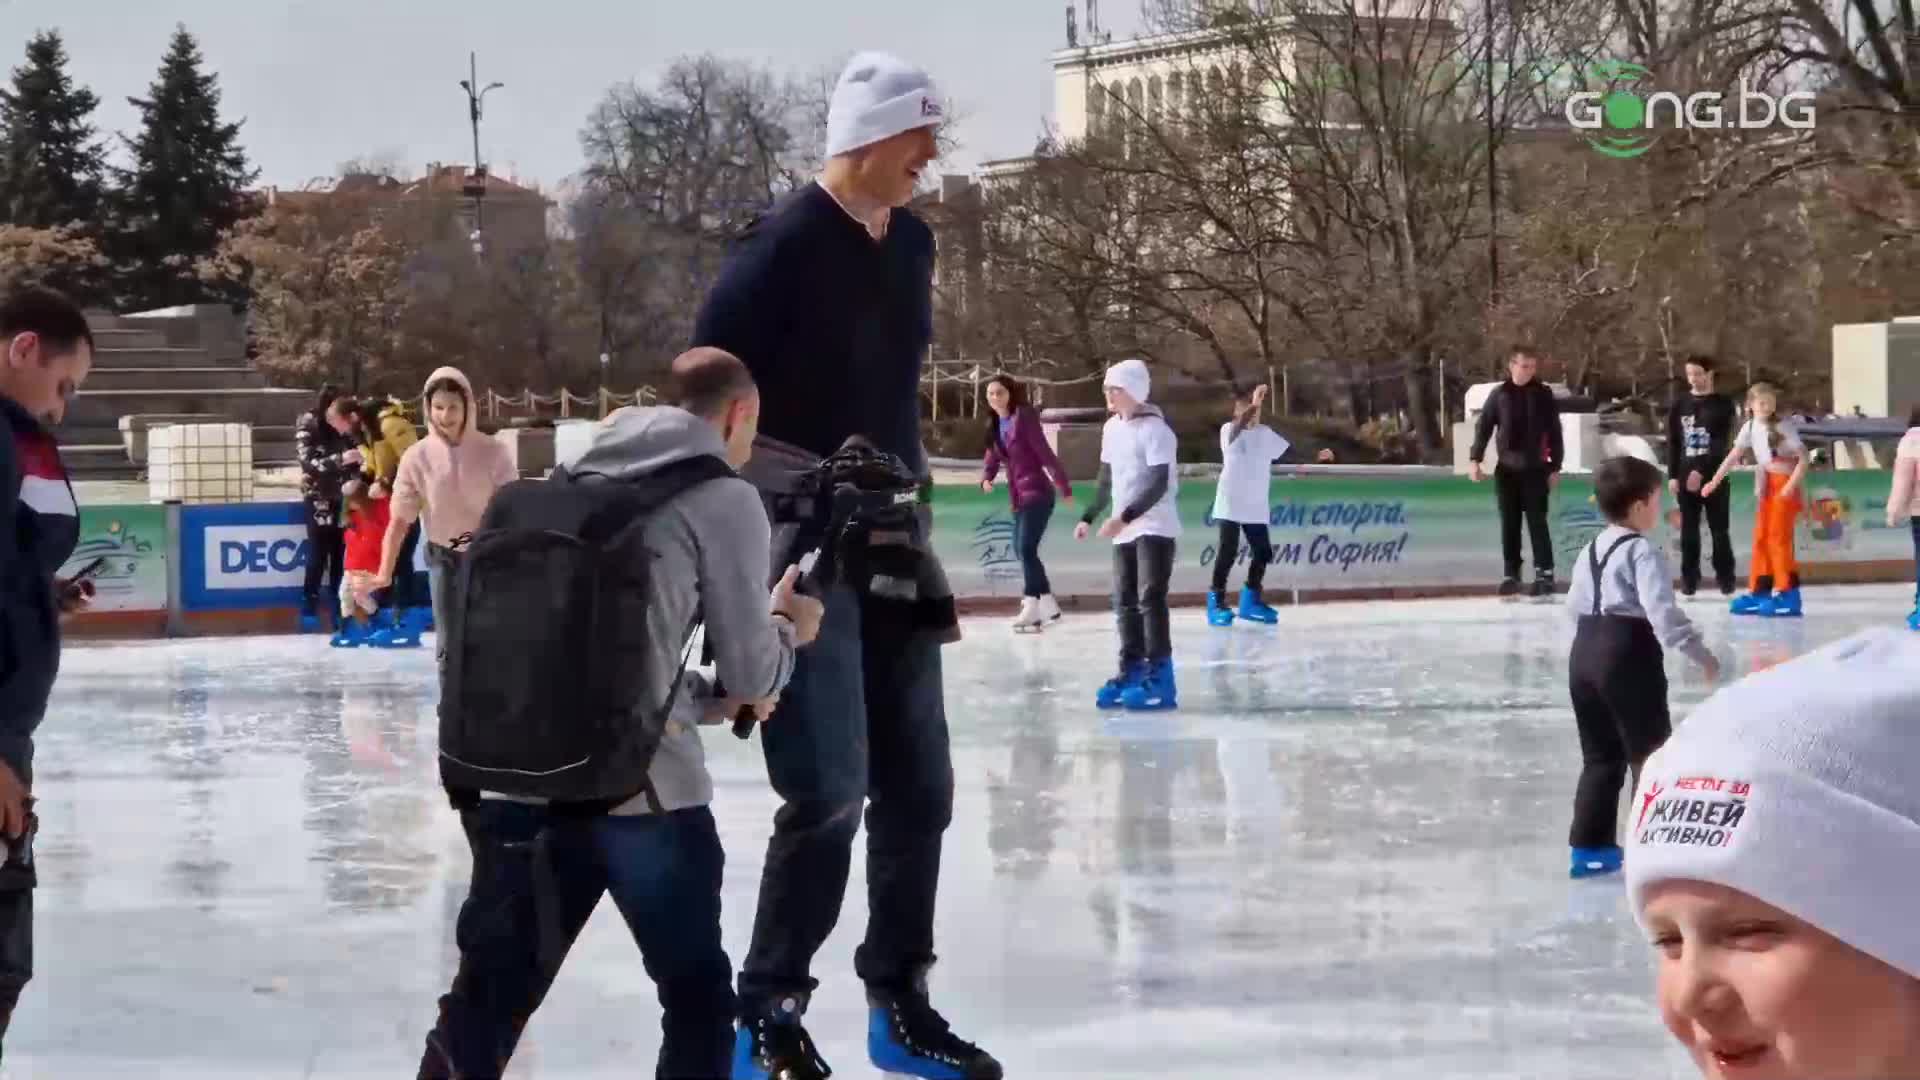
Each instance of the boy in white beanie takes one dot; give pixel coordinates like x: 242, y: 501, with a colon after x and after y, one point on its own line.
x: 1137, y: 451
x: 1774, y: 860
x: 828, y: 299
x: 1623, y: 599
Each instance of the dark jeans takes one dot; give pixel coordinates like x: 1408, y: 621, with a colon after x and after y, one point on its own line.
x: 1915, y: 526
x: 862, y: 722
x: 536, y: 878
x: 326, y: 565
x: 1618, y: 680
x: 1229, y: 549
x: 1714, y: 507
x: 1141, y: 571
x: 16, y: 950
x: 1524, y: 492
x: 1029, y: 525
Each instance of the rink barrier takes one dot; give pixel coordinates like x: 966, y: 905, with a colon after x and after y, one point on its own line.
x: 1345, y: 535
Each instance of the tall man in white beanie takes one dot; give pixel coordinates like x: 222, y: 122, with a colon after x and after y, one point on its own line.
x: 829, y: 300
x: 1774, y: 861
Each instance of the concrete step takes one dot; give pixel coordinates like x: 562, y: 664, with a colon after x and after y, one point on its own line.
x: 105, y: 338
x: 157, y: 357
x: 267, y: 407
x: 175, y: 378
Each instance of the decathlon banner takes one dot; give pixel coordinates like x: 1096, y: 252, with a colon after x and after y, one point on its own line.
x: 242, y: 555
x: 1345, y: 532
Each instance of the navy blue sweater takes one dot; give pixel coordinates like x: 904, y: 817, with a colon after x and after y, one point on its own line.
x: 833, y: 325
x: 39, y: 528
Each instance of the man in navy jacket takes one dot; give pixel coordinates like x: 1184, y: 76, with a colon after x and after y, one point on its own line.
x: 829, y: 301
x: 49, y: 350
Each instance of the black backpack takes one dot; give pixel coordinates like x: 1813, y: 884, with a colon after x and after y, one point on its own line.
x: 544, y: 639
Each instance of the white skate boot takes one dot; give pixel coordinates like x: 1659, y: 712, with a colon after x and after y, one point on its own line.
x: 1028, y: 621
x: 1049, y: 610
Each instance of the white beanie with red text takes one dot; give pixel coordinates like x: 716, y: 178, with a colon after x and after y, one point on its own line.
x: 1799, y: 786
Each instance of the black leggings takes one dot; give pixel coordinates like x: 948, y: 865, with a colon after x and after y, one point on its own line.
x: 326, y: 565
x: 1618, y: 678
x: 1228, y: 550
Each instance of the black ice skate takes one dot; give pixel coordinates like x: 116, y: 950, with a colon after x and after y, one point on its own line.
x: 771, y: 1045
x: 907, y: 1037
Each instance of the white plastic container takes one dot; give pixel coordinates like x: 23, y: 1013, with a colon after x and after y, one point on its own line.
x: 200, y: 463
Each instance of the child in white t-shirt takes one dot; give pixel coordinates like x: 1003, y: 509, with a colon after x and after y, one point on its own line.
x: 1777, y: 449
x: 1138, y: 475
x: 1248, y: 449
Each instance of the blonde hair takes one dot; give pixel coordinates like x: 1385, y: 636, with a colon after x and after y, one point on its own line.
x: 1771, y: 425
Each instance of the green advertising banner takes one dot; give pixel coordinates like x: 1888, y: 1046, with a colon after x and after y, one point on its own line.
x: 1339, y: 532
x: 133, y: 540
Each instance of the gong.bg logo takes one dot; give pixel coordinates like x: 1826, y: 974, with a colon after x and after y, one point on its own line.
x: 1624, y: 120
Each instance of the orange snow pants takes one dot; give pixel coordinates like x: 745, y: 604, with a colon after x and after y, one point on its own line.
x: 1773, y: 564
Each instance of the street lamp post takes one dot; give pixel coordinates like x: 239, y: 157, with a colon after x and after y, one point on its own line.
x: 477, y: 187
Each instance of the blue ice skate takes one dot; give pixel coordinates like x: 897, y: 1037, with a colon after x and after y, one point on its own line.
x: 1113, y: 692
x: 394, y: 632
x: 1596, y: 861
x: 1913, y: 620
x: 1154, y: 692
x: 419, y: 618
x: 771, y: 1045
x: 1752, y: 604
x: 1786, y: 604
x: 1218, y: 613
x: 351, y: 635
x: 1253, y: 610
x: 309, y: 623
x: 905, y: 1036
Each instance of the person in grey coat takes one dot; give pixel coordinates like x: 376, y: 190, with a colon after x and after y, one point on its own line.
x: 538, y: 873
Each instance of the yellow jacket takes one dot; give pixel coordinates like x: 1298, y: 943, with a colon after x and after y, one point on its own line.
x: 381, y: 458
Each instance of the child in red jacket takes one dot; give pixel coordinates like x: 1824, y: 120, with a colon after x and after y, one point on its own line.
x: 367, y: 516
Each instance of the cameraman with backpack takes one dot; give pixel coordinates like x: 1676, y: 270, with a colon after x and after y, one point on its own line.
x: 522, y: 674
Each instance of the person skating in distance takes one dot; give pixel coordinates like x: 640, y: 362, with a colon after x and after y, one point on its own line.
x: 1523, y: 412
x: 1699, y: 435
x: 1241, y: 506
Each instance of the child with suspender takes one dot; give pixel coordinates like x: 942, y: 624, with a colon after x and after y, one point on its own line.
x: 1622, y: 595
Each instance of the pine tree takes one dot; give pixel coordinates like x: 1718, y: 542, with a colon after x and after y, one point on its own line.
x: 187, y: 185
x: 50, y: 165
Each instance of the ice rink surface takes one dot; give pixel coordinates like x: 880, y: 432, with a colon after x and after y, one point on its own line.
x: 1344, y: 857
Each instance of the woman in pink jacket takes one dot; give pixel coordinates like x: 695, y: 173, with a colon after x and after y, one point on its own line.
x: 1904, y: 500
x: 450, y: 475
x: 1014, y: 439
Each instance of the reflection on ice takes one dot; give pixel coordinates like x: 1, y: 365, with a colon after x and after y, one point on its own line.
x: 1342, y: 858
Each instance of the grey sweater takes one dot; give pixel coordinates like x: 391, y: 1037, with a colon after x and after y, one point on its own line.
x: 711, y: 551
x: 1636, y: 583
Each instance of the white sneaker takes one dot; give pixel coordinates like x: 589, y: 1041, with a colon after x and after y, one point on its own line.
x: 1029, y: 617
x: 1049, y: 609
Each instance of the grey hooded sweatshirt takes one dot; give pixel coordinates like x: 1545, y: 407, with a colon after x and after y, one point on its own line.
x: 711, y: 550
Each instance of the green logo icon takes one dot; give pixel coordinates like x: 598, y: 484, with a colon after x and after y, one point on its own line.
x: 1616, y: 123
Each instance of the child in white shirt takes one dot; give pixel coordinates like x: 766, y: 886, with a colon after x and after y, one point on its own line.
x: 1137, y: 473
x: 1776, y: 448
x: 1248, y: 449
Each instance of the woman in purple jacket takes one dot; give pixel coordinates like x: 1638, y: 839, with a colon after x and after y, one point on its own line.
x: 1014, y: 439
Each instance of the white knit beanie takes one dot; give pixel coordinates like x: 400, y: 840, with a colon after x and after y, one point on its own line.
x: 879, y: 96
x: 1800, y: 787
x: 1131, y: 376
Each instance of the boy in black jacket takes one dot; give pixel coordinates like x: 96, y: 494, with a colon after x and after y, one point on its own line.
x: 1531, y: 449
x: 48, y: 353
x: 1699, y: 437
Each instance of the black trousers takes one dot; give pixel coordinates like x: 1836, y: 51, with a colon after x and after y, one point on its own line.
x: 1714, y: 508
x: 1142, y: 570
x: 1228, y: 550
x: 1523, y: 492
x: 1618, y: 678
x: 326, y: 565
x: 16, y: 949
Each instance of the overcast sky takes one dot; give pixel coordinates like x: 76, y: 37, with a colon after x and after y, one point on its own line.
x: 320, y: 82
